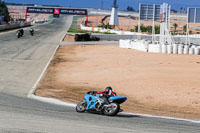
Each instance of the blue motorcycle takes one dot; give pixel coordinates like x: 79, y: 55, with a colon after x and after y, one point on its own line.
x: 95, y: 102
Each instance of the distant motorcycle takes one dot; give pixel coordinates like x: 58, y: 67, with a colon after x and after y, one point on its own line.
x: 18, y: 34
x: 22, y: 32
x: 31, y: 31
x: 95, y: 102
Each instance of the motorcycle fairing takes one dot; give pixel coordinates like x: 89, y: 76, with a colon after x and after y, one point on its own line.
x: 91, y: 100
x: 117, y: 99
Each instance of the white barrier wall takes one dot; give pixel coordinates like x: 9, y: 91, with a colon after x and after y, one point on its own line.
x: 86, y: 28
x: 154, y: 48
x: 190, y: 36
x: 124, y: 43
x: 139, y: 45
x: 157, y: 48
x: 98, y: 29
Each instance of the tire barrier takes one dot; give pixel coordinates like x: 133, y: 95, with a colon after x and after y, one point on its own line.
x: 164, y: 49
x: 180, y: 49
x: 186, y: 49
x: 191, y: 50
x: 85, y: 37
x: 175, y: 49
x: 169, y: 49
x: 196, y: 51
x: 157, y: 48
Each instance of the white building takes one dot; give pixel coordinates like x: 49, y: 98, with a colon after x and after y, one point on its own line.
x: 114, y: 15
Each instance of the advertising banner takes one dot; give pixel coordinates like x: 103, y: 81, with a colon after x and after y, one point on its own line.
x: 149, y: 12
x: 73, y: 11
x: 194, y: 15
x: 164, y: 12
x: 57, y: 11
x: 40, y: 10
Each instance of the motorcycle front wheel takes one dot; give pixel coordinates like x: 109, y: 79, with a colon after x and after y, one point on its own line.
x: 81, y: 107
x: 112, y: 109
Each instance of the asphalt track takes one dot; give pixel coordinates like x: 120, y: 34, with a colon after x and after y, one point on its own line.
x: 22, y: 61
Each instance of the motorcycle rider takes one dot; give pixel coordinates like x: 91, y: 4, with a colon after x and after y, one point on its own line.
x: 22, y: 32
x: 18, y: 33
x: 31, y: 31
x: 109, y: 92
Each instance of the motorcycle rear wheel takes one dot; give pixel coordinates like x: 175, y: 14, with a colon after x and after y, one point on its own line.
x: 81, y: 107
x: 112, y: 110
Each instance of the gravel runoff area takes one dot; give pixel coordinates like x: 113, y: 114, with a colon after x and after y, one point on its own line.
x: 157, y: 84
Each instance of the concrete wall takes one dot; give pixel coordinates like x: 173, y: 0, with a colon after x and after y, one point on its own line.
x: 112, y: 31
x: 13, y: 26
x: 113, y: 37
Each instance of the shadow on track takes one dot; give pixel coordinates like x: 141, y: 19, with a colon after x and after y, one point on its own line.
x: 120, y: 115
x: 126, y: 115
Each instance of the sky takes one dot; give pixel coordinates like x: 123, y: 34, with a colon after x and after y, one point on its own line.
x: 107, y: 4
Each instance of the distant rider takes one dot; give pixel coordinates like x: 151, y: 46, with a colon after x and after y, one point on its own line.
x: 31, y: 31
x: 18, y: 33
x: 22, y: 31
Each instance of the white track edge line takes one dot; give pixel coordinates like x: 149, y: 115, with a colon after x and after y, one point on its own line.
x: 61, y: 103
x: 162, y: 117
x: 51, y: 100
x: 66, y: 32
x: 32, y: 91
x: 61, y: 40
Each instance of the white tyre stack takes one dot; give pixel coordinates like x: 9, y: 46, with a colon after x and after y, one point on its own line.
x: 175, y: 48
x: 191, y: 51
x: 180, y: 49
x: 186, y: 49
x: 196, y: 51
x: 169, y: 49
x: 164, y: 49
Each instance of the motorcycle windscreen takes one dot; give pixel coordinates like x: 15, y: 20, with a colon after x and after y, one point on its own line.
x: 118, y: 99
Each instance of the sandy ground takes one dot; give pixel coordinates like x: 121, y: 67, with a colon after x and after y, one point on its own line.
x: 158, y: 84
x: 68, y: 38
